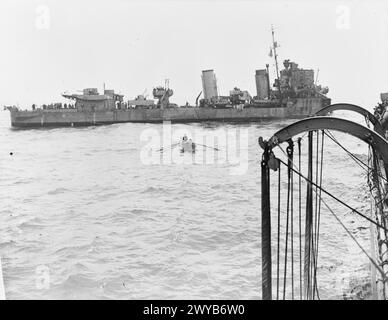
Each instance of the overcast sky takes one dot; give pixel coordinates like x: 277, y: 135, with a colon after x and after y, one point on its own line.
x: 49, y: 47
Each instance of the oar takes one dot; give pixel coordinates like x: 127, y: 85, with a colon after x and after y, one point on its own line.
x: 172, y: 146
x: 203, y: 145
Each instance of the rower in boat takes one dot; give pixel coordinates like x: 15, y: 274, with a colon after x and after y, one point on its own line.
x: 187, y: 145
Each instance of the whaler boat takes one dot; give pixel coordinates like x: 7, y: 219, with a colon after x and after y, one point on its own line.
x: 186, y: 145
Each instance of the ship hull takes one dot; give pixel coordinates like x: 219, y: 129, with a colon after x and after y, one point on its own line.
x: 70, y: 117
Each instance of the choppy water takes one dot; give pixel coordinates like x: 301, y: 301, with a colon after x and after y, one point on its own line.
x: 82, y: 217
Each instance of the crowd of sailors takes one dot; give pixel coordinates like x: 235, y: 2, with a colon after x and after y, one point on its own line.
x: 55, y: 106
x: 380, y: 110
x: 381, y: 113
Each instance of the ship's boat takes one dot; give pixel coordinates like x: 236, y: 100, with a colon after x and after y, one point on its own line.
x: 141, y: 101
x: 187, y: 146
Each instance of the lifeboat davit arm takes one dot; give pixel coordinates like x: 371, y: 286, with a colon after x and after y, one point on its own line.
x: 352, y: 107
x: 379, y: 143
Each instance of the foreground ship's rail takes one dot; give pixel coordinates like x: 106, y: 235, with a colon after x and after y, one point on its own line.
x: 302, y: 256
x: 72, y: 117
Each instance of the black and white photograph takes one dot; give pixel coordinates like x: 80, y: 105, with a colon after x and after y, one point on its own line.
x: 195, y: 156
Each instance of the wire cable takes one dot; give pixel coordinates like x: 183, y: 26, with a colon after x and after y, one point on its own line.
x: 337, y: 199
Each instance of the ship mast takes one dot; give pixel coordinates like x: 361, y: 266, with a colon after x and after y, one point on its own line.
x: 274, y: 46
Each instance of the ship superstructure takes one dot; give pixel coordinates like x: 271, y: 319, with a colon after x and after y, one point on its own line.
x: 293, y: 83
x: 293, y: 94
x: 290, y: 83
x: 91, y: 100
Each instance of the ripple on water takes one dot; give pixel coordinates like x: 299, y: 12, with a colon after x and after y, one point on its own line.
x: 58, y: 191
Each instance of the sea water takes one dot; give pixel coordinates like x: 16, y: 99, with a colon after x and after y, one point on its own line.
x: 85, y: 216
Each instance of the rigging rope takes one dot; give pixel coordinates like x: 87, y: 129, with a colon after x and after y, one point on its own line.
x: 337, y: 199
x: 355, y: 240
x: 300, y: 221
x: 377, y: 174
x: 319, y: 208
x: 309, y: 247
x: 278, y: 236
x: 290, y: 152
x: 375, y: 264
x: 287, y: 225
x: 355, y: 158
x: 285, y: 219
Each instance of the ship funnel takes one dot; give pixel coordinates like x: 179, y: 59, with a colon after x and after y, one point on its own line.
x: 262, y: 84
x: 209, y: 84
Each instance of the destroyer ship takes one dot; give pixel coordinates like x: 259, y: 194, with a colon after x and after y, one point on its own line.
x: 294, y: 94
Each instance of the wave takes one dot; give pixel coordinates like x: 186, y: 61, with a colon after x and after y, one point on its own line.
x: 141, y: 211
x: 155, y: 190
x: 58, y: 191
